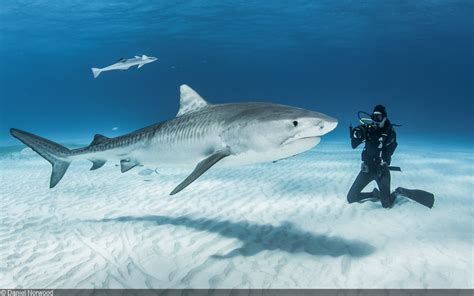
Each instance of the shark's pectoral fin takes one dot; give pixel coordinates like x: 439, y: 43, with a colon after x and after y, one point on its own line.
x: 97, y: 163
x: 201, y: 168
x: 140, y: 65
x: 126, y: 165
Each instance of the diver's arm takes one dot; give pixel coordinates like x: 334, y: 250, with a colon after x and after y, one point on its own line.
x: 356, y: 142
x: 389, y: 146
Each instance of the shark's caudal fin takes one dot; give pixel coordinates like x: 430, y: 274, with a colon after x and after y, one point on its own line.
x: 96, y: 72
x: 56, y: 154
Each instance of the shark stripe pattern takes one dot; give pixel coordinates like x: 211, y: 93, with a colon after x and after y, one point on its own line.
x: 201, y: 136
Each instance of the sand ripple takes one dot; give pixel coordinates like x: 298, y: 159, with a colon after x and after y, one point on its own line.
x: 265, y: 226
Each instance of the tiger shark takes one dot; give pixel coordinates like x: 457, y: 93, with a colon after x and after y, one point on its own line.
x: 124, y: 64
x: 200, y: 136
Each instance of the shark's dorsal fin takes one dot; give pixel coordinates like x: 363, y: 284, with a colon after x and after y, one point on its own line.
x: 144, y: 57
x: 189, y: 100
x: 98, y: 139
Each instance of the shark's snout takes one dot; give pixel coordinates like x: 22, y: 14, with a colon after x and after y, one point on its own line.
x: 313, y: 127
x: 328, y: 125
x: 323, y: 124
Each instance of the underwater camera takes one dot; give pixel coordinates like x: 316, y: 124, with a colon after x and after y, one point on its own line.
x: 366, y: 125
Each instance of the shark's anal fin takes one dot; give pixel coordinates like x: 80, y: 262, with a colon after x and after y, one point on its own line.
x: 97, y: 163
x: 140, y: 65
x: 126, y: 165
x: 98, y: 139
x: 201, y: 168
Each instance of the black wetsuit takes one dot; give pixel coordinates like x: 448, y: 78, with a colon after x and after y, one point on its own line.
x: 380, y: 144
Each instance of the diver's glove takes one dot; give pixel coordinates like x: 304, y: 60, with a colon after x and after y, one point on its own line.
x: 382, y: 139
x: 357, y: 133
x: 386, y: 160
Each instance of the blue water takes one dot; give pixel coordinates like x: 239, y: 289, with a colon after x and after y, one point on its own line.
x: 336, y: 57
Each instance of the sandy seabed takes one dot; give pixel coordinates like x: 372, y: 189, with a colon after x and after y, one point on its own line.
x: 275, y: 225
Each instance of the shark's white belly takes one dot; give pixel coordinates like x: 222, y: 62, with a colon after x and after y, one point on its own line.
x: 189, y: 158
x: 252, y: 157
x: 166, y: 151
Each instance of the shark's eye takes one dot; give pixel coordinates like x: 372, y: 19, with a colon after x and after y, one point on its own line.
x: 295, y: 123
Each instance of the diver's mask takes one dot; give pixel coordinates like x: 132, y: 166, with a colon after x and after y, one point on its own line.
x: 378, y: 118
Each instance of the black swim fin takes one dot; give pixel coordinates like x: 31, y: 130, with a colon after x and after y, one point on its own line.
x: 420, y: 196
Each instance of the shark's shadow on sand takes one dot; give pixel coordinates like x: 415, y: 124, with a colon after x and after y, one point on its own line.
x: 259, y: 237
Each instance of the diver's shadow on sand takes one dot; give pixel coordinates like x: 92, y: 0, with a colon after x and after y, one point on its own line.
x: 259, y: 237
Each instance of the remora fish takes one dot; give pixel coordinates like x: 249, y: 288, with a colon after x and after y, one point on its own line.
x: 202, y: 133
x: 124, y: 64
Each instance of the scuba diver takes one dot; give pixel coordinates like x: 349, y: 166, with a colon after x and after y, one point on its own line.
x: 380, y: 139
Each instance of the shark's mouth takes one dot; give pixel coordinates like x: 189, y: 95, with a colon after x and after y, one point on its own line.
x: 296, y: 139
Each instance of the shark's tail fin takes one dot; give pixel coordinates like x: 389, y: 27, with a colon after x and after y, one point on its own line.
x: 96, y: 72
x: 56, y: 154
